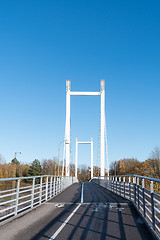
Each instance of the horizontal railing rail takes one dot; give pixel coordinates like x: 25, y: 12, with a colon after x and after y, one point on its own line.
x: 20, y: 194
x: 143, y: 192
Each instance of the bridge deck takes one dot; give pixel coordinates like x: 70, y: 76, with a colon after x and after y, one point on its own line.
x: 94, y: 214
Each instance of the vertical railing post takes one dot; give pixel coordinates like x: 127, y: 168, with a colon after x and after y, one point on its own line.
x: 46, y: 188
x: 62, y: 184
x: 40, y: 191
x: 109, y: 183
x: 119, y: 185
x: 143, y: 192
x: 129, y: 188
x: 17, y: 197
x: 50, y: 187
x: 116, y: 184
x: 134, y: 189
x: 113, y: 184
x: 138, y: 190
x: 32, y: 197
x: 124, y: 187
x: 112, y: 179
x: 58, y: 184
x: 152, y: 204
x: 54, y: 186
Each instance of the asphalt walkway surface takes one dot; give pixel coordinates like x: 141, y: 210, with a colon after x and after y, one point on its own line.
x: 85, y: 211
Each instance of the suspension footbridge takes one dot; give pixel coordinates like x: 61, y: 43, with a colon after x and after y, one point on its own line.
x: 60, y: 207
x: 63, y: 208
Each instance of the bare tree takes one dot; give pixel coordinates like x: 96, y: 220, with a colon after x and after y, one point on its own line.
x: 154, y: 160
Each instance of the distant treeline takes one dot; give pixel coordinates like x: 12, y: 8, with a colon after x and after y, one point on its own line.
x: 127, y: 166
x: 17, y: 169
x: 45, y: 167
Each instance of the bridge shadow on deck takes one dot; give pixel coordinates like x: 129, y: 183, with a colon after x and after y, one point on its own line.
x: 91, y: 224
x: 98, y: 227
x: 103, y: 215
x: 97, y: 193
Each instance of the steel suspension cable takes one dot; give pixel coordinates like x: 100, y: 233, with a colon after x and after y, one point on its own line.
x: 106, y: 147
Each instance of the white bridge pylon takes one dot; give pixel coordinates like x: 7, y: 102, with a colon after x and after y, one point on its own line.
x: 67, y: 135
x: 76, y: 162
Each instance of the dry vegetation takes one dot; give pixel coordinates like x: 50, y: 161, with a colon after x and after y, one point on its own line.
x: 149, y: 168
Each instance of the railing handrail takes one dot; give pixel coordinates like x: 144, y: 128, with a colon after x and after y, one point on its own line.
x: 31, y: 177
x: 132, y: 175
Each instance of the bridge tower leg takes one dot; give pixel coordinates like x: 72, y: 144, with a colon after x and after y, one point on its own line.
x: 91, y: 157
x: 67, y: 140
x: 102, y: 126
x: 76, y: 157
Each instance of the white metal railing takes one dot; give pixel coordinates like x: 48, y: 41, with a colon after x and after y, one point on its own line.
x: 20, y: 194
x: 141, y: 191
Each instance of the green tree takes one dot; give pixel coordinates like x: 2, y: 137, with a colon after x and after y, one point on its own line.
x: 35, y: 168
x: 24, y: 169
x: 15, y: 161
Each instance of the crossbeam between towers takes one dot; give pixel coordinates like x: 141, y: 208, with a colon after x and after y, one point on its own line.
x: 85, y: 93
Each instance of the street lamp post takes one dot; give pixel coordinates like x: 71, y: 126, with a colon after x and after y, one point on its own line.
x: 15, y: 154
x: 15, y: 168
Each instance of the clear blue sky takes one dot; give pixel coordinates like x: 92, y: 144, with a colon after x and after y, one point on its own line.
x: 43, y: 43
